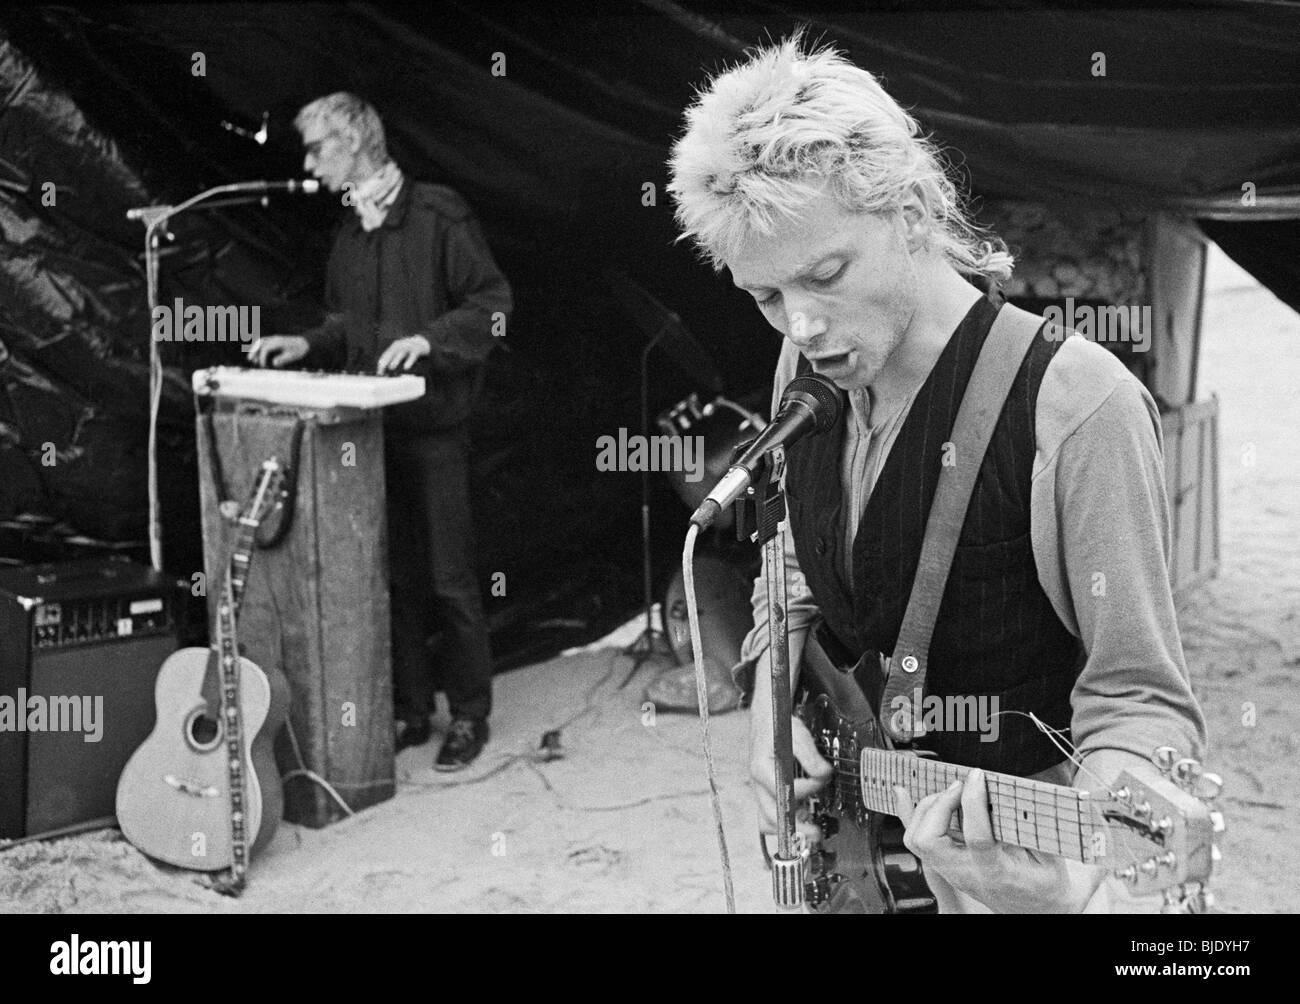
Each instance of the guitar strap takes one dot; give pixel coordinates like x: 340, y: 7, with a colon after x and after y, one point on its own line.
x: 999, y: 361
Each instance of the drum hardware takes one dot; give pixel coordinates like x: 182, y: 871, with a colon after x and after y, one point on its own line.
x: 660, y: 326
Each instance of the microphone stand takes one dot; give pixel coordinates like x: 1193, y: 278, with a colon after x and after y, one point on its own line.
x: 762, y: 507
x: 155, y: 220
x: 651, y: 641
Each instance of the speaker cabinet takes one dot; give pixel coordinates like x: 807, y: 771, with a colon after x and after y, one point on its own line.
x: 80, y: 647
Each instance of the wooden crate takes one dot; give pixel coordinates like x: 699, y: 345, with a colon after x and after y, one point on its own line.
x: 316, y: 605
x: 1191, y: 436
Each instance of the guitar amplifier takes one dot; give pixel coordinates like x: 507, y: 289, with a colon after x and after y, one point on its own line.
x: 81, y: 643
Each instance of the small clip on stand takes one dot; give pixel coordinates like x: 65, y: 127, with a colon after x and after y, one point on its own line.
x: 760, y: 516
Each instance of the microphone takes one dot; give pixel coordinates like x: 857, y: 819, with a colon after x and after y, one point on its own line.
x: 810, y: 404
x: 309, y: 186
x: 258, y: 137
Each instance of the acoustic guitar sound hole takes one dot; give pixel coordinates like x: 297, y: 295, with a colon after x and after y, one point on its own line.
x: 202, y: 730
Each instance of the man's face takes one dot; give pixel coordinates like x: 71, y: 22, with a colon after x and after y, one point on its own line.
x: 840, y: 285
x: 328, y: 155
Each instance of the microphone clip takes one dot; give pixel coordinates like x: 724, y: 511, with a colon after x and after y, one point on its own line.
x: 760, y: 510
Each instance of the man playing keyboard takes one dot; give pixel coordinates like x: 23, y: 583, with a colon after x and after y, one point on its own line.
x: 411, y: 286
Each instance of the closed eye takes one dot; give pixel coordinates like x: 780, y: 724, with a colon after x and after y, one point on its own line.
x: 821, y: 282
x: 830, y: 279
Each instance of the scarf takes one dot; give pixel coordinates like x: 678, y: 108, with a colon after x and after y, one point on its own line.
x: 374, y: 196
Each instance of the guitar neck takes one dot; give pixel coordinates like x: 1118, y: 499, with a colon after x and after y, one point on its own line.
x: 240, y: 557
x: 1035, y: 815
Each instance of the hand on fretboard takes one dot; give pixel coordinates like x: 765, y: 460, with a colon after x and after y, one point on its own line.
x: 1034, y: 814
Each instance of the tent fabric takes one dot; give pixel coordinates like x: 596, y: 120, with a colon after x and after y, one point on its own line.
x: 1270, y: 251
x: 555, y: 124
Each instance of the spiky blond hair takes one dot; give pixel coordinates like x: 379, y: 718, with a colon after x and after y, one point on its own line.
x: 764, y: 138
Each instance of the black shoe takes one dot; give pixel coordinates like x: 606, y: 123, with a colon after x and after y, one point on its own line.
x: 465, y: 741
x: 411, y: 731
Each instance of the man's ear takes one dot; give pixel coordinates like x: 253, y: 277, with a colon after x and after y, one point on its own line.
x: 351, y: 140
x: 917, y: 223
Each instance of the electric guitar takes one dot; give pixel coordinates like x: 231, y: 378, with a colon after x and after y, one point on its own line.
x: 1156, y: 836
x: 203, y: 791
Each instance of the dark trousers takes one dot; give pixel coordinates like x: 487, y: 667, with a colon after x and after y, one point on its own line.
x: 432, y: 579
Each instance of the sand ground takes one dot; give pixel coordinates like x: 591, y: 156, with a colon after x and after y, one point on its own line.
x: 621, y: 821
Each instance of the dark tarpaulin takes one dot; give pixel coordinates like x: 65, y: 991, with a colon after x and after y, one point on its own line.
x: 556, y: 156
x: 1270, y: 251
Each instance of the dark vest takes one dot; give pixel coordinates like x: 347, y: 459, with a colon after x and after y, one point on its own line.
x: 997, y: 634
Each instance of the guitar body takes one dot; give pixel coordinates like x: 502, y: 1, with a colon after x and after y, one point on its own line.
x: 173, y: 796
x: 861, y: 864
x: 1154, y: 833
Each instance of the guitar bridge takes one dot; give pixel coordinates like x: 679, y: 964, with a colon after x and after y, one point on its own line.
x: 191, y: 787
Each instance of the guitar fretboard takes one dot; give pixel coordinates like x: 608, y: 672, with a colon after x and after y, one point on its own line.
x: 234, y: 736
x: 1037, y: 815
x: 245, y: 535
x: 240, y: 558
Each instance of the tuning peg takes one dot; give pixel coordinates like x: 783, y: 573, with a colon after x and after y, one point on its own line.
x: 1187, y: 772
x: 1128, y: 875
x: 1163, y: 757
x: 1216, y: 855
x: 1216, y: 821
x: 1209, y: 787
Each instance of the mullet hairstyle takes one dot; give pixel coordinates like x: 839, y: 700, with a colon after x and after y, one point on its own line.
x: 342, y: 109
x: 764, y: 138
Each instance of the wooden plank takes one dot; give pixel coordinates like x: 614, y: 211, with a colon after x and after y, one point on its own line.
x: 1187, y: 493
x: 317, y: 605
x: 1198, y: 320
x: 1210, y: 479
x: 1171, y: 427
x: 1192, y: 482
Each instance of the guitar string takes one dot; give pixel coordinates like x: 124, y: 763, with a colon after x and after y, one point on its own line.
x: 1004, y: 809
x: 1022, y: 802
x: 1075, y: 828
x: 1007, y: 798
x: 850, y: 793
x: 1058, y: 737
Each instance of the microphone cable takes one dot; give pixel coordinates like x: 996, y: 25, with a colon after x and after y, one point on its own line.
x: 702, y: 696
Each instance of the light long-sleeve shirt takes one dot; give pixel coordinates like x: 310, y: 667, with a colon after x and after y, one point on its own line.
x: 1099, y: 526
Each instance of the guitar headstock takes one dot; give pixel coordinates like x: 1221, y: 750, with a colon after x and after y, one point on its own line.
x: 265, y: 494
x: 1162, y: 831
x: 270, y: 483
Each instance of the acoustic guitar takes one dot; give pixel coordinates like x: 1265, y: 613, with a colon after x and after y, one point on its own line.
x: 1157, y: 837
x: 203, y: 791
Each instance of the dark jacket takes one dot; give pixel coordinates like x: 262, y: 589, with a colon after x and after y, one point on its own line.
x: 426, y: 270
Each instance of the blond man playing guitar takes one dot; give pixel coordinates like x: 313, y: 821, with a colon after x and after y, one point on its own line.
x: 802, y: 177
